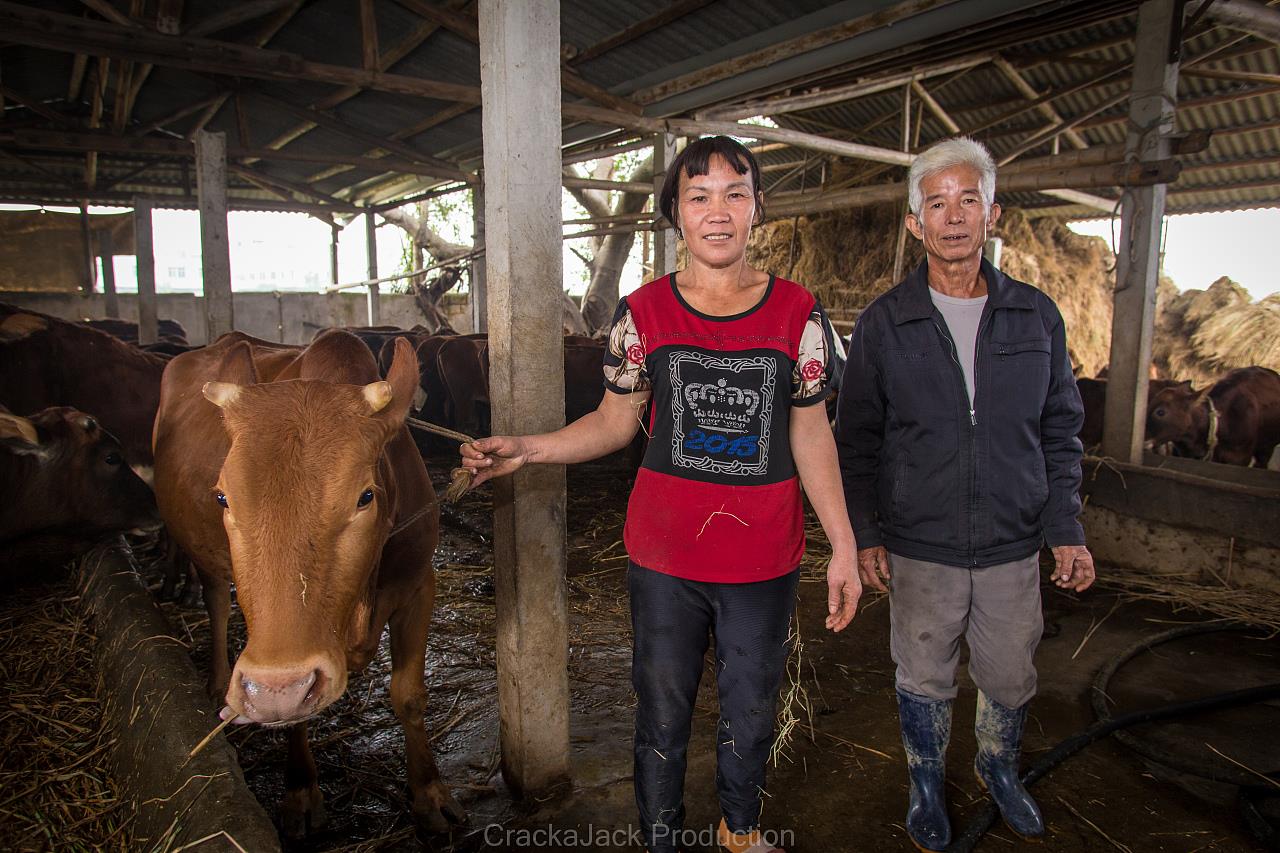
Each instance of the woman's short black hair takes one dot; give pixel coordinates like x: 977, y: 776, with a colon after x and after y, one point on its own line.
x: 695, y: 160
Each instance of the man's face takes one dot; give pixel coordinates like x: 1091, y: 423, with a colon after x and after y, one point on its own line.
x: 953, y: 221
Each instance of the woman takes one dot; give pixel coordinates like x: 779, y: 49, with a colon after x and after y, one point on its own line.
x: 736, y: 362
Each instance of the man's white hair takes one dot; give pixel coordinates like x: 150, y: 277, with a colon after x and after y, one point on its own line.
x: 957, y: 151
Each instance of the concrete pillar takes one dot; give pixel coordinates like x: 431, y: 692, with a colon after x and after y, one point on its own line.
x: 664, y: 241
x: 479, y: 287
x: 371, y: 253
x: 520, y: 92
x: 144, y: 241
x: 110, y: 301
x: 1151, y: 115
x: 86, y: 244
x: 215, y: 251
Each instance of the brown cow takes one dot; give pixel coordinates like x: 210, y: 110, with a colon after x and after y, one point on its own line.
x: 289, y: 471
x: 1093, y: 394
x: 463, y: 364
x: 46, y: 362
x: 64, y: 484
x: 1245, y: 404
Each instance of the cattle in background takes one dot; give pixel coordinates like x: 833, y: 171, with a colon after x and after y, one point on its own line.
x: 463, y: 363
x: 1093, y: 394
x: 583, y: 379
x: 63, y: 485
x: 1236, y: 421
x: 170, y: 331
x: 289, y: 471
x: 46, y: 362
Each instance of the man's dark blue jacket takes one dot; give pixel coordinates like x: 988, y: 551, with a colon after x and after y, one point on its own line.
x: 931, y: 478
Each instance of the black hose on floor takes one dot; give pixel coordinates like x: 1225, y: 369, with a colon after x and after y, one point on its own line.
x: 1108, y: 725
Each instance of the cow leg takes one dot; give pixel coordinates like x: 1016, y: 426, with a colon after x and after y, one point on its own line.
x: 217, y: 603
x: 174, y: 561
x: 434, y: 808
x: 302, y: 807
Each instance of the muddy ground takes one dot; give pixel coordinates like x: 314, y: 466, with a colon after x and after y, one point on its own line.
x: 839, y: 783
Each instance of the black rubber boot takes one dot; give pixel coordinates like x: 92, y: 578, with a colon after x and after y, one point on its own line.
x: 999, y: 732
x: 926, y: 729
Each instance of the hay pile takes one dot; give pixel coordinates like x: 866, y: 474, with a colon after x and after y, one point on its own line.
x: 846, y: 259
x: 1201, y: 334
x: 56, y: 795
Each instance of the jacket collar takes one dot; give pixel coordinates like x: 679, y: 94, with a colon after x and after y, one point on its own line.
x: 914, y: 303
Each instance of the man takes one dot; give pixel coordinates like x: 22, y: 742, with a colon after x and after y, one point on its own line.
x: 956, y: 432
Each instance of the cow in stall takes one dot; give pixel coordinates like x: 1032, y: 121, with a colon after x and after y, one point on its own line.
x: 46, y: 362
x: 1235, y: 421
x: 289, y: 471
x: 463, y: 364
x: 170, y: 331
x: 64, y: 485
x: 1093, y: 394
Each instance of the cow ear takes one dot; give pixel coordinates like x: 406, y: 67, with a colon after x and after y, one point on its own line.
x: 392, y: 398
x: 19, y: 435
x: 1184, y: 385
x: 237, y: 365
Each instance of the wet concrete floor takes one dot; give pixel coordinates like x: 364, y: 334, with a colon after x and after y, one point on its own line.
x: 840, y: 781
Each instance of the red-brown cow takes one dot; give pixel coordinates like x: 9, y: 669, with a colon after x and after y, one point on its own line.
x: 1093, y: 394
x: 289, y: 471
x: 63, y: 484
x: 1244, y: 405
x: 46, y: 362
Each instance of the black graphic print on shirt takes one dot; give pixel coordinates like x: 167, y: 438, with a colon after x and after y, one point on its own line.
x: 722, y: 409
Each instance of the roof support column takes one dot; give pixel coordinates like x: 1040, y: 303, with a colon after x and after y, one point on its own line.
x: 86, y: 244
x: 1151, y: 115
x: 144, y: 241
x: 371, y: 254
x: 111, y: 302
x: 664, y: 239
x: 479, y: 286
x: 215, y: 252
x: 333, y: 252
x: 520, y: 88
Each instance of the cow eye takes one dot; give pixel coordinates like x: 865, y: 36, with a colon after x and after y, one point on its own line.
x: 221, y: 499
x: 1160, y: 412
x: 366, y: 498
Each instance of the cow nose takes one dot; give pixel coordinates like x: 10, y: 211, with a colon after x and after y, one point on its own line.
x: 278, y: 694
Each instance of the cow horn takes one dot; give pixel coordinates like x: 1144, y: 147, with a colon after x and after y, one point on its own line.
x: 15, y: 426
x: 377, y: 395
x: 221, y: 394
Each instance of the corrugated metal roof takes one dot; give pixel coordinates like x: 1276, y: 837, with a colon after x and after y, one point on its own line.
x: 1241, y: 164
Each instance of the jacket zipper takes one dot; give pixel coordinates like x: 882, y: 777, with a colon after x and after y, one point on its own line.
x: 973, y: 428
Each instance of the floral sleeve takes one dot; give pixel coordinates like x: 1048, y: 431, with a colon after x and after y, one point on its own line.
x: 624, y: 356
x: 815, y: 362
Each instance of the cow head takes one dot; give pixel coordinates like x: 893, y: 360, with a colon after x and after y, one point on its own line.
x: 307, y: 502
x: 1175, y: 414
x: 72, y: 476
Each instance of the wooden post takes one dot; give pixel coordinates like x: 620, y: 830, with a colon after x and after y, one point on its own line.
x: 371, y: 254
x: 520, y: 87
x: 1151, y: 115
x: 479, y: 287
x: 664, y: 239
x: 110, y: 301
x: 86, y: 243
x: 148, y: 324
x: 215, y: 251
x: 900, y: 250
x: 333, y: 252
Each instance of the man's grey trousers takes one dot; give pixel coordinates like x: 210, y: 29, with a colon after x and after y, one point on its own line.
x: 996, y: 609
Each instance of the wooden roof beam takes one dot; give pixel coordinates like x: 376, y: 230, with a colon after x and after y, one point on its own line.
x: 1020, y: 83
x: 669, y: 15
x: 839, y: 94
x: 111, y: 13
x: 235, y: 14
x: 64, y: 32
x: 466, y: 27
x: 79, y: 141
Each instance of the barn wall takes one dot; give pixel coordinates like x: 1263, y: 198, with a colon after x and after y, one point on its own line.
x: 45, y: 251
x: 1214, y: 526
x: 262, y: 315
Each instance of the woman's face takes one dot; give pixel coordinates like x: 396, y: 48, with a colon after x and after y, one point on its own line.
x: 715, y: 211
